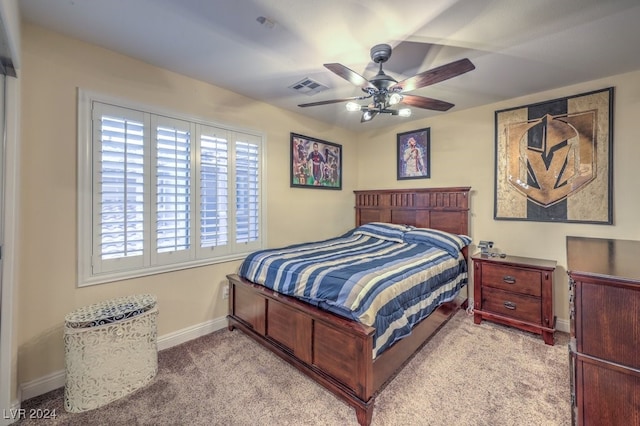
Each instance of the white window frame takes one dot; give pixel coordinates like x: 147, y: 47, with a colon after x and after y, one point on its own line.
x: 153, y: 262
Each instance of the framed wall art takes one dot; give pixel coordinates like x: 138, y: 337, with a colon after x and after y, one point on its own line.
x: 554, y: 160
x: 414, y: 154
x: 315, y: 163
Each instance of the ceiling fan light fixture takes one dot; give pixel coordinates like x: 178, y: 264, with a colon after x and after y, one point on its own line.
x: 367, y: 116
x: 353, y: 106
x: 395, y: 98
x: 404, y: 112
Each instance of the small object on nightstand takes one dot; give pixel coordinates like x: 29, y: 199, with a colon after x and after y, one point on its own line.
x: 484, y: 246
x: 503, y: 255
x: 515, y: 291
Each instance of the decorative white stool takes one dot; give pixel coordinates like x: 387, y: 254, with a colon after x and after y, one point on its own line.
x: 110, y: 351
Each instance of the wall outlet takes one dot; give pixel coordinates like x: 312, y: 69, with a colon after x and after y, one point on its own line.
x: 225, y: 292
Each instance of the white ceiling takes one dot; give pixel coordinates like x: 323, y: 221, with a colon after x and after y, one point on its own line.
x: 518, y: 46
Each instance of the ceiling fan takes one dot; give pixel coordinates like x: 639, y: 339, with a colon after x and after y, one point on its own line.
x: 386, y: 92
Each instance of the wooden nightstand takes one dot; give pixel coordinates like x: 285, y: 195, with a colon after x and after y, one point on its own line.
x: 515, y: 291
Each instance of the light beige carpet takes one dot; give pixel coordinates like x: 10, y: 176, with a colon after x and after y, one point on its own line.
x: 466, y: 375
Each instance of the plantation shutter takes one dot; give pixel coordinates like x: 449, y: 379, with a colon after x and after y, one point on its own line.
x: 119, y: 188
x: 214, y: 191
x: 247, y: 186
x: 160, y: 192
x: 172, y: 226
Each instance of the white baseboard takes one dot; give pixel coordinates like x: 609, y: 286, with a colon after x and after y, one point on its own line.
x: 56, y: 380
x: 181, y: 336
x: 42, y: 385
x: 563, y: 325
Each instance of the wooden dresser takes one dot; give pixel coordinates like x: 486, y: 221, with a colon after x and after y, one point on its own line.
x: 516, y: 291
x: 604, y: 282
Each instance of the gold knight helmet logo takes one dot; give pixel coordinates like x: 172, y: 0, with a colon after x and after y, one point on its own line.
x: 562, y: 162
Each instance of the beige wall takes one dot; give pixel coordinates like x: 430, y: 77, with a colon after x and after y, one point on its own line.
x: 462, y: 154
x: 54, y: 67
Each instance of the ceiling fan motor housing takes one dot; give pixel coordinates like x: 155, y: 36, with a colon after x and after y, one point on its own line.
x: 380, y: 53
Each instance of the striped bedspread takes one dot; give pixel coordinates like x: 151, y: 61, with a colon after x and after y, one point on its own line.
x: 385, y: 284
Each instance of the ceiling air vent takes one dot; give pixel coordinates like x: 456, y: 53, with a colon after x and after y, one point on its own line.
x: 308, y: 86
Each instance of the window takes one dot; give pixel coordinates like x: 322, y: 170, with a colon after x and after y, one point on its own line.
x: 160, y: 192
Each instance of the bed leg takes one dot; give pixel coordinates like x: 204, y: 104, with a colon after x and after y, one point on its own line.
x: 230, y: 325
x: 365, y: 413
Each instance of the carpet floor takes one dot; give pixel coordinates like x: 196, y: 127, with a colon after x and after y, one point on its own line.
x: 466, y: 374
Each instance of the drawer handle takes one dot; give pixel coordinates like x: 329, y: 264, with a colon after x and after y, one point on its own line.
x: 509, y: 279
x: 510, y: 305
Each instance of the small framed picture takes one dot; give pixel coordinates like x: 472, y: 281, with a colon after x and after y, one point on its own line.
x: 414, y: 156
x: 315, y: 163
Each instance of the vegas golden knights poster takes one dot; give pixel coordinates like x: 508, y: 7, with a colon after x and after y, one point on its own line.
x: 554, y: 160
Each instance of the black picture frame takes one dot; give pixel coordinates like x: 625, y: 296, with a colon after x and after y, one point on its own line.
x: 414, y: 160
x: 554, y: 160
x: 315, y: 163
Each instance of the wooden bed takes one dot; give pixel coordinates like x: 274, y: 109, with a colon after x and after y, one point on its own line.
x: 334, y: 351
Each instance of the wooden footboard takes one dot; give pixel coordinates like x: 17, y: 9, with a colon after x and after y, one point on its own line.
x: 333, y: 351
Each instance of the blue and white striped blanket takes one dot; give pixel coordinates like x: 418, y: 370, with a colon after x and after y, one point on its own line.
x: 385, y: 284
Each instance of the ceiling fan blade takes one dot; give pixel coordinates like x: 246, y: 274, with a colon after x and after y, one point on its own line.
x: 426, y: 103
x: 434, y: 75
x: 331, y: 101
x: 349, y: 75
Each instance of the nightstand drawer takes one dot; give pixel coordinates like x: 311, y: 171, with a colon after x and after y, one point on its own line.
x: 512, y: 279
x: 517, y: 306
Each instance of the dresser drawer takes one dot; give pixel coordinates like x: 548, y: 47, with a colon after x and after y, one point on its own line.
x: 607, y: 323
x: 512, y: 279
x: 513, y: 305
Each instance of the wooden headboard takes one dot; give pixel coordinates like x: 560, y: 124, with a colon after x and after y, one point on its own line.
x: 446, y: 209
